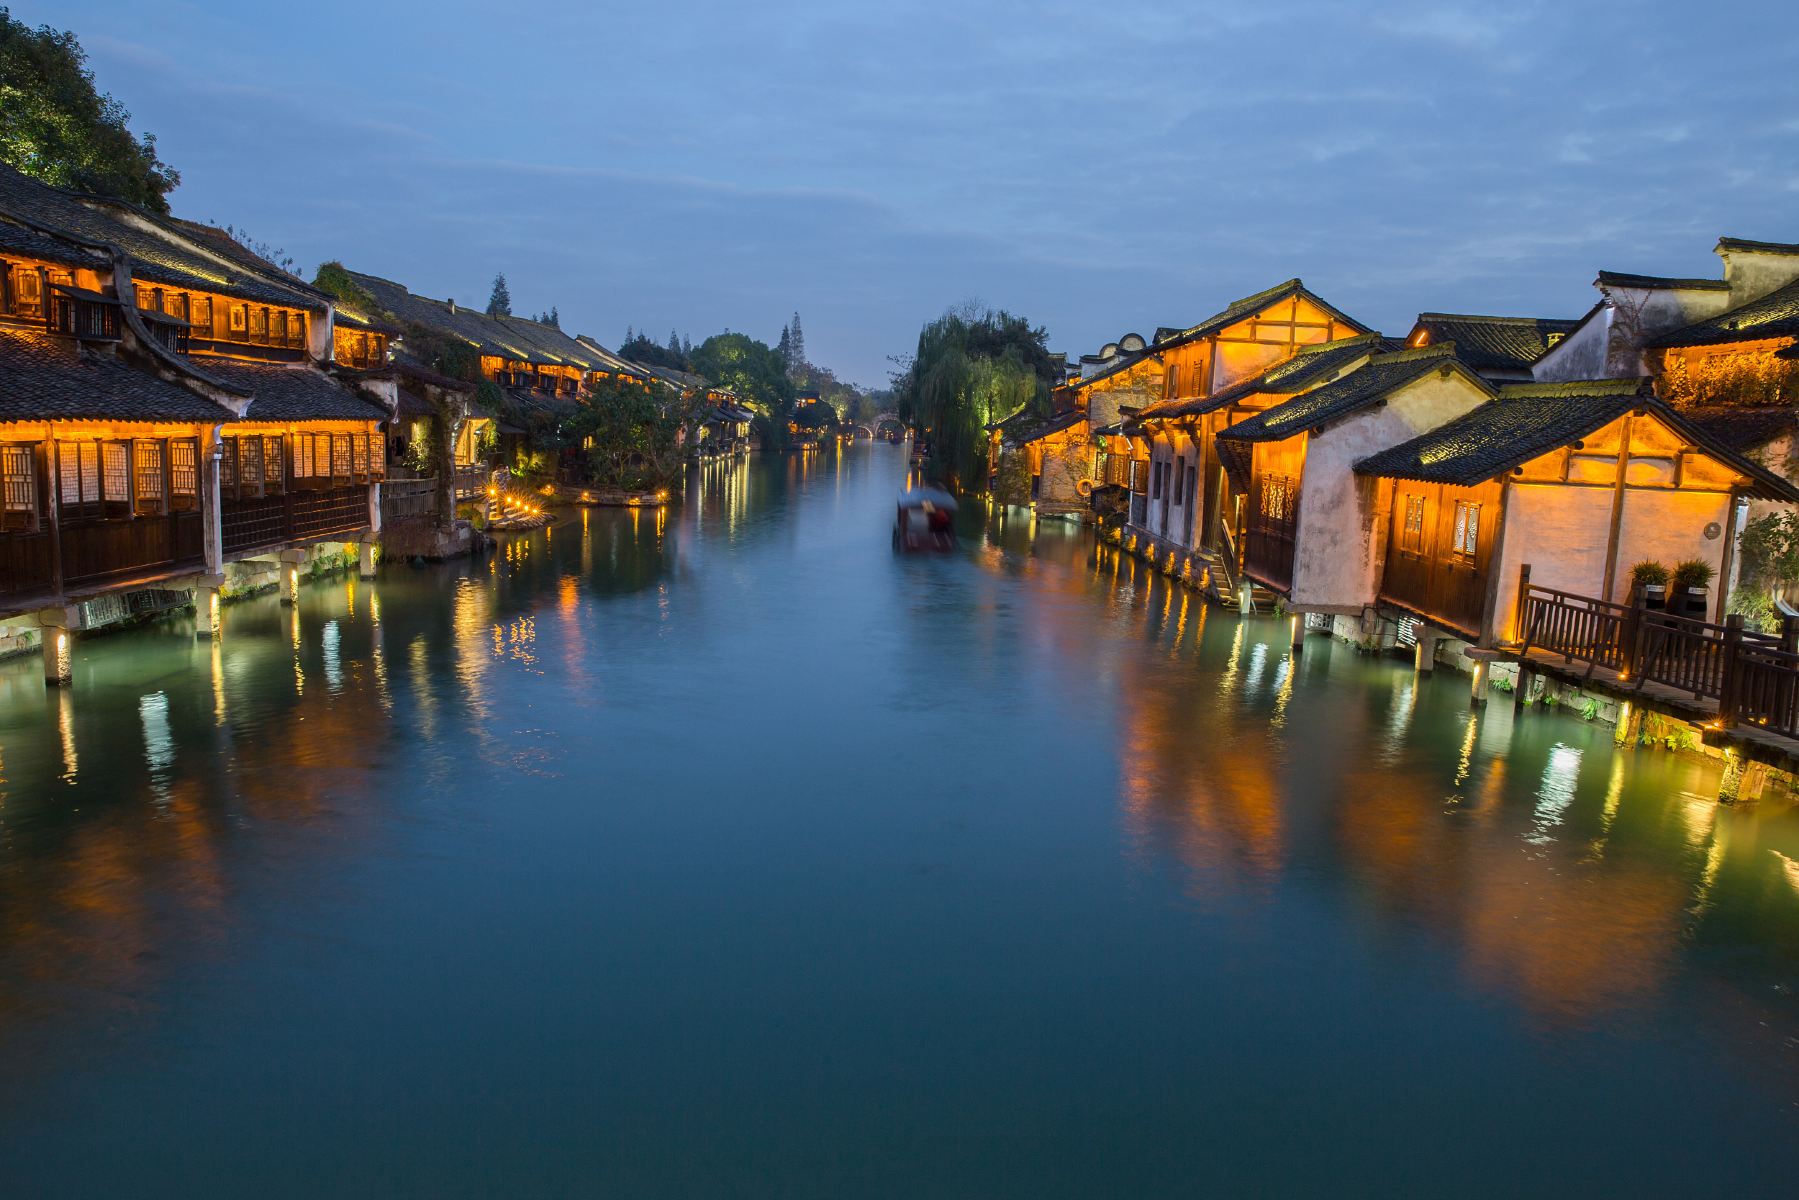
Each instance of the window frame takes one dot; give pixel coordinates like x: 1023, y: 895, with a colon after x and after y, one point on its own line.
x: 29, y: 517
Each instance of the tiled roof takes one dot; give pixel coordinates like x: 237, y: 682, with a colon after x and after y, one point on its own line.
x: 1024, y: 426
x: 159, y: 250
x: 1533, y: 419
x: 1746, y: 429
x: 1730, y: 243
x: 1774, y: 315
x: 1495, y: 343
x: 513, y: 338
x: 20, y: 239
x: 1657, y: 282
x: 1308, y: 367
x: 290, y: 393
x: 1362, y: 387
x: 45, y: 377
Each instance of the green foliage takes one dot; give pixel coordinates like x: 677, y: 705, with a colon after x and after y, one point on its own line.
x: 1589, y: 711
x: 334, y: 279
x: 1756, y: 607
x: 1768, y: 552
x: 1012, y: 479
x: 532, y: 468
x: 57, y: 127
x: 1649, y: 573
x: 1693, y: 573
x: 816, y: 416
x: 755, y: 373
x: 636, y: 431
x: 972, y: 369
x: 640, y: 349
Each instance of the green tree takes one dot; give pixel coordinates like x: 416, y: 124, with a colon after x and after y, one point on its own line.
x: 640, y: 349
x: 973, y: 367
x: 636, y: 431
x: 756, y: 373
x: 499, y: 304
x: 55, y: 125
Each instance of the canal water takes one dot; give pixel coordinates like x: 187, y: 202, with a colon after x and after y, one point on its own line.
x: 728, y: 853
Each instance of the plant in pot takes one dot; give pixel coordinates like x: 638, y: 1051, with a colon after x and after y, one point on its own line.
x: 1649, y: 584
x: 1691, y: 583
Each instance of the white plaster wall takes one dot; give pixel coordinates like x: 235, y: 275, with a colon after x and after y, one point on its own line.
x: 1580, y: 355
x: 1752, y: 276
x: 1669, y: 526
x: 1336, y: 554
x: 1561, y: 532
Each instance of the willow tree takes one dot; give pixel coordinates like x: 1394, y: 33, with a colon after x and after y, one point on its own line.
x: 973, y: 368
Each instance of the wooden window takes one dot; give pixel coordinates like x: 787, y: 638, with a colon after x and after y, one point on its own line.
x: 303, y: 456
x: 1278, y: 500
x: 184, y: 475
x: 115, y: 478
x: 1171, y: 382
x: 149, y: 460
x: 228, y: 468
x: 1180, y: 480
x: 1466, y: 539
x: 1411, y: 532
x: 240, y: 320
x: 202, y: 316
x: 342, y: 464
x: 278, y: 329
x: 177, y: 305
x: 259, y: 325
x: 18, y: 488
x: 360, y: 449
x: 274, y: 476
x: 296, y: 331
x: 377, y: 458
x: 28, y: 292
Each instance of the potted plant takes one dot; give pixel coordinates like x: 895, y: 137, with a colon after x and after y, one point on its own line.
x: 1692, y: 588
x: 1649, y: 584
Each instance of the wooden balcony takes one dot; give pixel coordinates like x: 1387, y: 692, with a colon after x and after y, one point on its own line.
x: 265, y: 522
x: 96, y: 553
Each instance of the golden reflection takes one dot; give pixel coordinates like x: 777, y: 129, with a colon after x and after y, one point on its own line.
x: 65, y: 727
x: 218, y: 681
x: 1465, y: 762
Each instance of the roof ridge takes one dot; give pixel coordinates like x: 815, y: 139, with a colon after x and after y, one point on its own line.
x: 1444, y: 350
x: 1575, y: 387
x: 1496, y: 320
x: 1672, y: 282
x: 1730, y: 243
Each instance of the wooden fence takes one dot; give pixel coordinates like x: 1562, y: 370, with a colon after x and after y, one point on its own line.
x: 1753, y: 677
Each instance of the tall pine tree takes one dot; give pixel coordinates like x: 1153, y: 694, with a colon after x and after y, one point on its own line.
x: 500, y: 303
x: 796, y: 344
x: 785, y: 347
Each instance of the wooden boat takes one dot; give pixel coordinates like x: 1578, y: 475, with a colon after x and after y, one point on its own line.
x: 925, y: 520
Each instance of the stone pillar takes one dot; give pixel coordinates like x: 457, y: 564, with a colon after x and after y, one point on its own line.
x: 365, y: 565
x: 1298, y: 633
x: 1477, y: 697
x: 1629, y: 730
x: 58, y: 626
x: 1527, y: 682
x: 212, y: 513
x: 1424, y: 654
x: 1731, y: 784
x: 291, y: 561
x: 1243, y: 599
x: 206, y: 611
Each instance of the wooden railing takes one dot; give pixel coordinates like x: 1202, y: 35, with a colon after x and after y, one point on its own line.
x: 408, y: 500
x: 1752, y: 676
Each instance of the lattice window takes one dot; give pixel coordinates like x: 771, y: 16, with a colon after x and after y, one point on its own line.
x: 303, y: 456
x: 115, y: 478
x: 359, y: 445
x: 149, y: 459
x: 18, y: 487
x: 1466, y: 540
x: 341, y: 457
x: 249, y: 467
x: 1412, y: 531
x: 228, y: 467
x: 78, y: 467
x: 240, y: 320
x: 296, y: 331
x: 278, y: 328
x: 1278, y: 500
x: 377, y: 456
x: 259, y: 325
x: 184, y: 475
x: 274, y: 479
x: 28, y: 292
x: 202, y: 316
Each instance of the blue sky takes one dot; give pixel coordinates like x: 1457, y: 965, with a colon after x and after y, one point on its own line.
x: 1098, y: 168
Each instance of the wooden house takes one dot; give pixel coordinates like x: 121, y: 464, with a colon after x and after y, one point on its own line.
x: 1305, y: 523
x: 169, y: 420
x: 1577, y: 480
x: 1185, y: 490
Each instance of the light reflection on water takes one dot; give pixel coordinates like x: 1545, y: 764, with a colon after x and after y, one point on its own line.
x: 728, y: 818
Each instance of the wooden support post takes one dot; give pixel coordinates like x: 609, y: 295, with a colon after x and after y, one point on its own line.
x: 1727, y: 688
